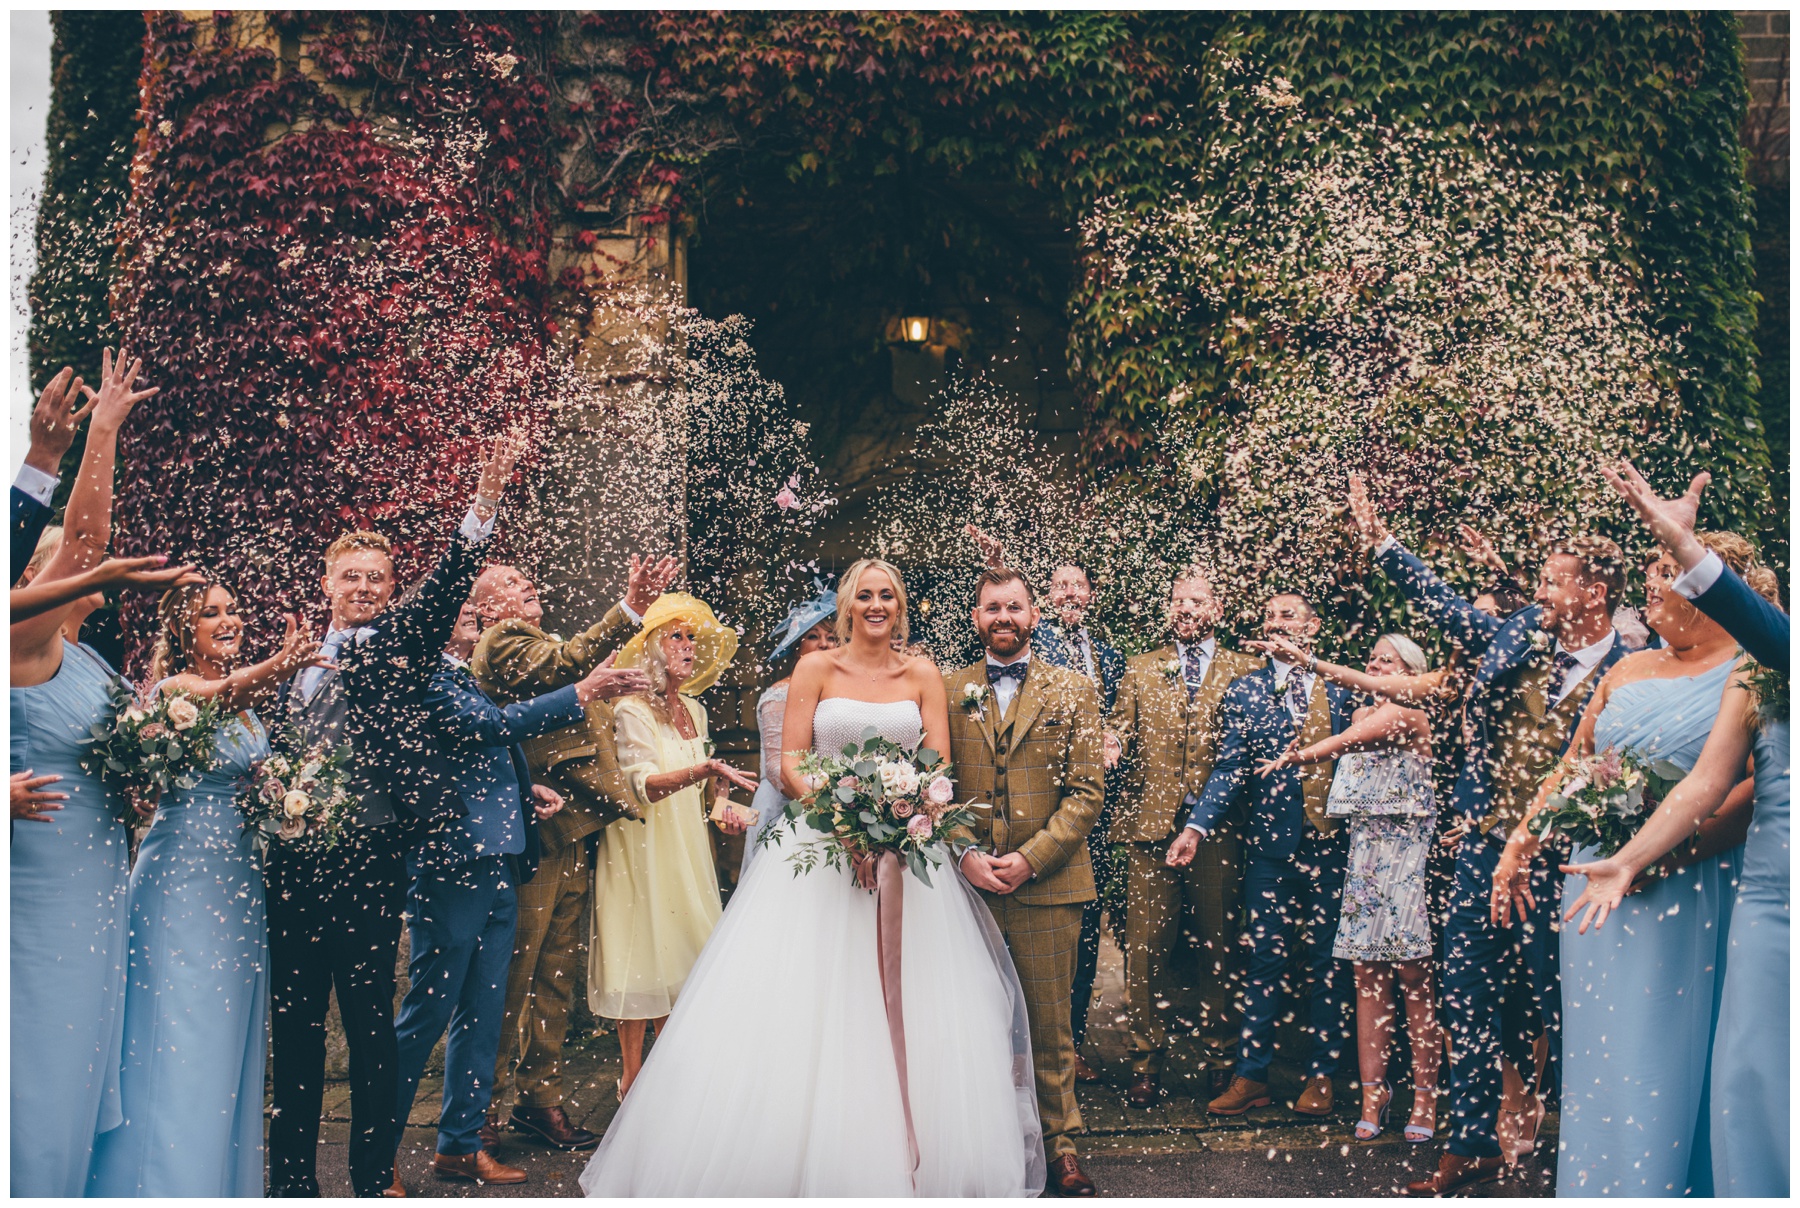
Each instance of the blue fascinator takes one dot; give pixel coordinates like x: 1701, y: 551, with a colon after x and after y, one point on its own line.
x: 802, y: 617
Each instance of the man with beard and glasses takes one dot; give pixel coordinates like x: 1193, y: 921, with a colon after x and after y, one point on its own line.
x: 1025, y: 737
x: 1163, y: 741
x: 1294, y: 858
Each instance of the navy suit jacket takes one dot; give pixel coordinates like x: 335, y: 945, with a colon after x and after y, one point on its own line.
x: 1254, y: 725
x: 1759, y: 626
x: 385, y: 678
x: 1504, y: 648
x: 29, y: 519
x: 480, y: 743
x: 1047, y: 643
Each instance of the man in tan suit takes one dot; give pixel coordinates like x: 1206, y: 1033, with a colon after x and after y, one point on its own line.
x: 1165, y: 718
x: 515, y: 659
x: 1030, y: 745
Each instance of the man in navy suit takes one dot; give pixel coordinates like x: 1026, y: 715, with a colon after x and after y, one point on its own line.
x: 463, y: 905
x: 53, y: 424
x: 1537, y: 670
x: 1294, y: 857
x: 1716, y: 590
x: 1067, y: 642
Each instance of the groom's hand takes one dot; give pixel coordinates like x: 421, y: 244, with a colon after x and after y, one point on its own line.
x: 1182, y: 851
x: 1012, y: 870
x: 978, y: 869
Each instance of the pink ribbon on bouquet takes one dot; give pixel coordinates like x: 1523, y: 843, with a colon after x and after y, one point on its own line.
x: 890, y: 884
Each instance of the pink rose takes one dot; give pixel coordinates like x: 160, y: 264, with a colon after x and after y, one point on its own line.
x: 153, y: 731
x: 849, y: 782
x: 940, y: 791
x: 920, y: 827
x: 902, y: 808
x: 292, y: 828
x: 1608, y: 769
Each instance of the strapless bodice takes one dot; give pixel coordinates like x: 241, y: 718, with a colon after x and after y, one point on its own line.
x: 839, y: 721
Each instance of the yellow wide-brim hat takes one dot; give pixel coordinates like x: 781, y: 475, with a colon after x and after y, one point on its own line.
x: 714, y: 644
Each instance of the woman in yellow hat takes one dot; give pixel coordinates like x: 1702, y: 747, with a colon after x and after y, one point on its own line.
x: 656, y: 894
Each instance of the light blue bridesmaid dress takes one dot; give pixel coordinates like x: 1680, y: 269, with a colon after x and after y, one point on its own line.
x: 1750, y: 1051
x: 67, y: 936
x: 1641, y: 993
x: 197, y: 999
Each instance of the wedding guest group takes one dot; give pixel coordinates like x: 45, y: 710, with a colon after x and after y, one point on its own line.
x: 1256, y: 822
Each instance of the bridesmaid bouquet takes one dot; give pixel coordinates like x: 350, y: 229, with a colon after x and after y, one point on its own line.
x: 877, y: 796
x: 298, y: 794
x: 1605, y: 798
x: 149, y: 748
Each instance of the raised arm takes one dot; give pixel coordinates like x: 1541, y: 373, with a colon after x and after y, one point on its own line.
x: 244, y: 687
x: 1699, y: 795
x: 464, y: 713
x: 1467, y: 625
x: 1386, y: 725
x: 144, y: 574
x: 1406, y: 689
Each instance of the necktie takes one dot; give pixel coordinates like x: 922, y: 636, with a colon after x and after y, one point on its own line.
x: 1087, y: 656
x: 1009, y: 671
x: 1193, y: 668
x: 1296, y: 694
x: 312, y: 677
x: 1559, y: 674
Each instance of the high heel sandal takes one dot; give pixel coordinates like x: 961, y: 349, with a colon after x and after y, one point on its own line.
x: 1418, y: 1134
x: 1519, y: 1139
x: 1368, y: 1130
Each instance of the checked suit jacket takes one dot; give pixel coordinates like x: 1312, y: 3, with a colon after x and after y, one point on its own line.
x: 1040, y: 768
x: 1170, y: 741
x: 516, y: 661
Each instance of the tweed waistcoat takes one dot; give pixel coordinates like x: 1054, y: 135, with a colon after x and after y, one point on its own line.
x: 1530, y: 737
x: 1315, y: 778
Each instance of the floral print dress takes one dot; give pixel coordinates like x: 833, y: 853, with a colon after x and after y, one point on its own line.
x: 1388, y: 798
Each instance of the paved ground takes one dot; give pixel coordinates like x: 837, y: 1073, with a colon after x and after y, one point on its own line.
x: 1174, y: 1149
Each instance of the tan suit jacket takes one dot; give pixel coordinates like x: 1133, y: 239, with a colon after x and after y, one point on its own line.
x: 515, y: 661
x: 1170, y: 741
x: 1040, y: 768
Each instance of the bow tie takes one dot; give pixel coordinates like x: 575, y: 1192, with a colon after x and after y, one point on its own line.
x: 1009, y: 671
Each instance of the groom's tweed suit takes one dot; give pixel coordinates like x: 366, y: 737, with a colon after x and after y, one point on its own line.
x: 516, y: 661
x: 1040, y: 768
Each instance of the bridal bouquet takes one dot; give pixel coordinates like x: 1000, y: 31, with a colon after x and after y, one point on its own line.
x: 298, y: 793
x: 876, y: 796
x: 148, y: 748
x: 1604, y: 799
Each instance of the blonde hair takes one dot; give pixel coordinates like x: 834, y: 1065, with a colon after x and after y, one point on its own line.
x: 847, y: 592
x: 1408, y: 650
x: 49, y: 541
x: 350, y: 543
x: 175, y: 614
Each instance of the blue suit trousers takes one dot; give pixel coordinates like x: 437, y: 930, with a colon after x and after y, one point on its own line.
x: 1500, y: 991
x: 461, y: 922
x: 1282, y: 898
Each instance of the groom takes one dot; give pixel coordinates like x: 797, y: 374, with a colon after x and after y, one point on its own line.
x: 1025, y: 737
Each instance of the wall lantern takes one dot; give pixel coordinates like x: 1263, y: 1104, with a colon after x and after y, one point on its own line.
x: 915, y: 329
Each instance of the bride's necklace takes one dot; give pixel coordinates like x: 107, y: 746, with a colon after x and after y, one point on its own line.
x: 864, y: 670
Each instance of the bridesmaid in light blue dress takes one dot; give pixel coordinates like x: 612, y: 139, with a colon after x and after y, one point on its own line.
x: 197, y: 994
x: 1750, y: 1053
x: 67, y: 935
x: 1639, y: 997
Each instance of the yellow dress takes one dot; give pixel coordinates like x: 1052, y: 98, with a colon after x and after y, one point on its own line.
x: 656, y: 892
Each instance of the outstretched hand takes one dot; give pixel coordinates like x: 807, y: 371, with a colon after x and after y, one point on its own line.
x: 606, y: 682
x: 1480, y: 550
x: 993, y: 550
x: 115, y: 399
x: 299, y: 649
x: 648, y: 580
x: 1670, y: 521
x: 1608, y: 881
x: 54, y: 420
x: 497, y: 471
x: 1280, y: 647
x: 1369, y: 525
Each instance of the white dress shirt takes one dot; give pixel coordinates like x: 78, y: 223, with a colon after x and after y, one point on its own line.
x: 1006, y: 688
x: 37, y: 484
x: 1586, y: 659
x: 1207, y: 647
x: 1691, y: 583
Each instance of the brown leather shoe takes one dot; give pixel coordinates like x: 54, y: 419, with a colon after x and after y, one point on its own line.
x: 1067, y: 1178
x: 490, y: 1131
x: 478, y: 1167
x: 1455, y: 1173
x: 1083, y: 1071
x: 1145, y: 1090
x: 551, y: 1125
x: 395, y: 1190
x: 1315, y: 1100
x: 1240, y: 1097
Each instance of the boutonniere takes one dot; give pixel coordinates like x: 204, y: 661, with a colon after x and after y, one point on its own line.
x: 1171, y: 670
x: 1540, y: 641
x: 974, y: 696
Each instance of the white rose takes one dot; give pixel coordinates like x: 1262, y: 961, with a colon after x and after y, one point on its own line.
x: 183, y: 713
x: 295, y: 804
x: 134, y: 715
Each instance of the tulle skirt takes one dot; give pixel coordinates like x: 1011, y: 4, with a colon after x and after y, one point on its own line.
x: 775, y: 1075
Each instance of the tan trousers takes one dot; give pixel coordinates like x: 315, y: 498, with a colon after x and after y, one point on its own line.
x: 1212, y: 889
x: 1043, y: 940
x: 547, y: 965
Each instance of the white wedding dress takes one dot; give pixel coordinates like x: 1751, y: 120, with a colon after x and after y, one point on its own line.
x: 775, y: 1074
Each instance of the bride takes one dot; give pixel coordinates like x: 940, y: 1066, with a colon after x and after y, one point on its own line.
x: 776, y: 1074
